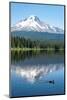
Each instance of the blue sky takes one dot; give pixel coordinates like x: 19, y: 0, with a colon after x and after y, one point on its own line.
x: 51, y: 14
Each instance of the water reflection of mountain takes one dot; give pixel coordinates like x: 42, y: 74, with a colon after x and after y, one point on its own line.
x: 34, y: 65
x: 34, y: 73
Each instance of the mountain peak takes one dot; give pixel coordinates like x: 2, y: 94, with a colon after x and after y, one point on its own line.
x: 33, y: 23
x: 33, y: 17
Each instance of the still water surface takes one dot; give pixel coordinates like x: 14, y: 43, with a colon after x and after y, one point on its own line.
x: 36, y: 73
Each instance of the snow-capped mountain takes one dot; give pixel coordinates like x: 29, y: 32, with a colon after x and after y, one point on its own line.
x: 33, y: 23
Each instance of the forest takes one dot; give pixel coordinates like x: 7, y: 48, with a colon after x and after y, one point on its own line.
x: 21, y: 43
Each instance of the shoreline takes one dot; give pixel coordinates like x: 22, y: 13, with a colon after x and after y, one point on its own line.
x: 36, y: 49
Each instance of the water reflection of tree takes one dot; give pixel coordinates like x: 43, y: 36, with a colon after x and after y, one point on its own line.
x: 18, y: 56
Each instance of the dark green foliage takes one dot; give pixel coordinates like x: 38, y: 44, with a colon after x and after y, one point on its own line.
x: 21, y: 42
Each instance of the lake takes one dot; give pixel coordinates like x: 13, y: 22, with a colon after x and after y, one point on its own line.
x: 35, y: 73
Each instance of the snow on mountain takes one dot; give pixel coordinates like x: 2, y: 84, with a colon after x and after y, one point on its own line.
x: 33, y: 23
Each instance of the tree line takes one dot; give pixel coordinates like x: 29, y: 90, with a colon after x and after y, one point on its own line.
x: 21, y: 42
